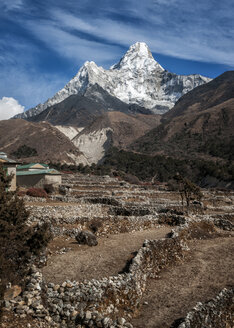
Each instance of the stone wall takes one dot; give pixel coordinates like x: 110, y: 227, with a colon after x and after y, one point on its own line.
x: 218, y: 313
x: 117, y: 296
x: 155, y: 255
x: 68, y: 220
x: 108, y: 302
x: 11, y: 170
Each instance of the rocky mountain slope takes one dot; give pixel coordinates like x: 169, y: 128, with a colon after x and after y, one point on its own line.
x: 112, y: 129
x: 136, y: 79
x: 82, y: 110
x: 200, y: 124
x: 74, y: 145
x: 50, y: 144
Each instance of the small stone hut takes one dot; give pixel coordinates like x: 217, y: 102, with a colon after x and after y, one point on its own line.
x: 37, y: 175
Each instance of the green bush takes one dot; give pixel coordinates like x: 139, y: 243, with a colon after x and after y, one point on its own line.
x: 24, y: 151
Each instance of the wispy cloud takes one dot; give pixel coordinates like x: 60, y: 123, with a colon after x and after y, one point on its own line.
x: 198, y: 39
x: 69, y: 45
x: 11, y: 4
x: 20, y: 77
x: 35, y: 34
x: 202, y: 31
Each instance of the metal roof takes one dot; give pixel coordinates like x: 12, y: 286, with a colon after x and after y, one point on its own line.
x: 28, y: 166
x: 4, y: 159
x: 49, y: 171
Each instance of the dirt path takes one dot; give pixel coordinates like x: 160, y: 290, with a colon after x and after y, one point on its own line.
x: 106, y: 259
x: 208, y: 269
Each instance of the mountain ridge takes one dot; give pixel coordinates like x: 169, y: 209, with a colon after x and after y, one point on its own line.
x: 200, y: 124
x: 136, y: 79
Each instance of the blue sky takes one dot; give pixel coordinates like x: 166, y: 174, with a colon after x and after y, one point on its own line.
x: 43, y: 43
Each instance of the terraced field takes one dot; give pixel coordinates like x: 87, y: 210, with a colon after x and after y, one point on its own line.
x: 153, y: 262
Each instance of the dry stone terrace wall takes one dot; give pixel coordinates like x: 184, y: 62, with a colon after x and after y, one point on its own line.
x: 120, y: 295
x: 111, y: 302
x: 91, y: 189
x: 96, y: 186
x: 115, y: 215
x: 217, y: 313
x: 108, y: 302
x: 67, y: 220
x: 136, y: 209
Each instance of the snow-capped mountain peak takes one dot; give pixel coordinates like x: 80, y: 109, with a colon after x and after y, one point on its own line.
x: 138, y: 57
x: 137, y: 79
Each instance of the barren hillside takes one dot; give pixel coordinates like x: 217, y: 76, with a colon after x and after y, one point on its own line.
x: 50, y: 144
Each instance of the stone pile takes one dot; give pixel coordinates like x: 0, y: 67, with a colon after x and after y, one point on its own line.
x: 172, y: 217
x: 224, y: 224
x: 30, y: 303
x: 86, y: 238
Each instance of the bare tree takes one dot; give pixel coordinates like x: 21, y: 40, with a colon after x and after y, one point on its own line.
x: 188, y: 190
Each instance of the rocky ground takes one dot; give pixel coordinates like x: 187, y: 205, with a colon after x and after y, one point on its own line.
x: 208, y: 269
x: 108, y: 258
x: 122, y: 216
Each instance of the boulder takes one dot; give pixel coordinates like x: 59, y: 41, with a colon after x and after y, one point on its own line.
x: 12, y: 292
x: 86, y: 238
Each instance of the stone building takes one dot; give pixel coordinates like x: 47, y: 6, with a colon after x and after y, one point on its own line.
x: 38, y: 177
x: 10, y: 166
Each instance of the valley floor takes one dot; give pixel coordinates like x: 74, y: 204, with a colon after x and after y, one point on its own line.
x: 106, y: 259
x: 130, y: 214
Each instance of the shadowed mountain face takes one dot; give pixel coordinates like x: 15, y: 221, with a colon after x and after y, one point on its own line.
x: 200, y: 124
x: 82, y: 110
x: 49, y: 144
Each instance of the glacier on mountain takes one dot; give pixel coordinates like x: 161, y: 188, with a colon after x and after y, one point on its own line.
x: 136, y: 79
